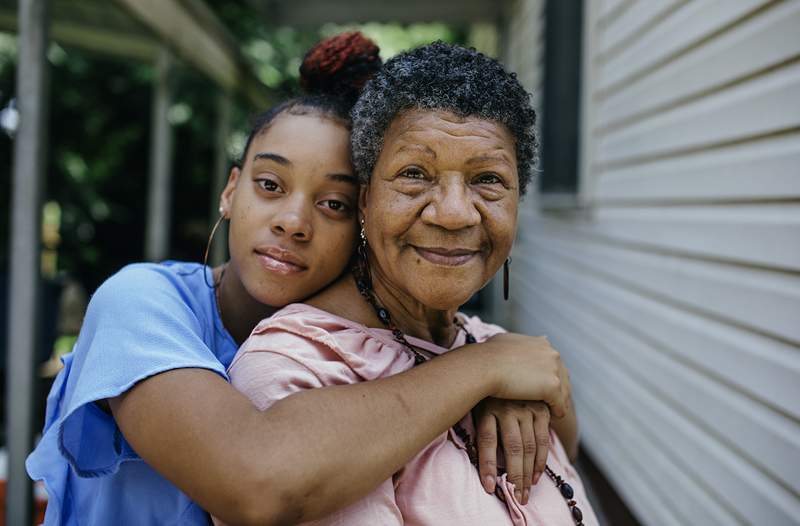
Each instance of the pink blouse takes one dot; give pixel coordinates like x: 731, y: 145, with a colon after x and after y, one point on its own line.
x: 302, y: 347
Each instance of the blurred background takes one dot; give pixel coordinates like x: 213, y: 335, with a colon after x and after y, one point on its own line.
x: 660, y: 252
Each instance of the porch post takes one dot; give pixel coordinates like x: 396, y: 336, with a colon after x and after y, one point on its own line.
x: 30, y: 157
x: 159, y: 201
x: 219, y: 250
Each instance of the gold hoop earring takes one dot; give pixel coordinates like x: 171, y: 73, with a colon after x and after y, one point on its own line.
x: 208, y: 246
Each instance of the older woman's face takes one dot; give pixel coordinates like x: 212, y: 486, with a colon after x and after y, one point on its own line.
x: 441, y: 207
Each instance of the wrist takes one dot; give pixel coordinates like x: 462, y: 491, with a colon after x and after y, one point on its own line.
x: 481, y: 366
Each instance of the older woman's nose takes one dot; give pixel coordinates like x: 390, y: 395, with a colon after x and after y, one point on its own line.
x: 452, y: 208
x: 292, y: 220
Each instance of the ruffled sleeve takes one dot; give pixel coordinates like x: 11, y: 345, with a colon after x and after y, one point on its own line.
x: 139, y: 323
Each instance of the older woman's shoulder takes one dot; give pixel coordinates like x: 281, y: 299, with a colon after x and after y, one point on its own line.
x: 480, y: 329
x: 317, y: 339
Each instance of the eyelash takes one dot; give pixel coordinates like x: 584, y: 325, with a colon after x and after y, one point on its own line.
x: 496, y: 178
x: 417, y: 174
x: 342, y: 206
x: 406, y: 173
x: 265, y: 184
x: 268, y: 185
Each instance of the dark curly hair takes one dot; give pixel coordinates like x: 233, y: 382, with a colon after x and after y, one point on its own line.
x: 332, y: 75
x: 442, y: 76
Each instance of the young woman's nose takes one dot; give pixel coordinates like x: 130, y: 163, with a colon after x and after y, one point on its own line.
x: 293, y: 220
x: 452, y: 206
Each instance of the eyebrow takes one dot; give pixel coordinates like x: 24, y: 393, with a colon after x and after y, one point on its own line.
x: 280, y: 159
x: 344, y: 178
x: 419, y: 147
x: 488, y: 157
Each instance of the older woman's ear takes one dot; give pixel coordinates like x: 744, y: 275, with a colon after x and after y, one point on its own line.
x: 362, y: 201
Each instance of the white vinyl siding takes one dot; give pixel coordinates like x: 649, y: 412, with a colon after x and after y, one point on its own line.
x: 673, y: 290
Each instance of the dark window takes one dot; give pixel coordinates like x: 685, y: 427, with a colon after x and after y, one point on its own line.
x: 561, y: 104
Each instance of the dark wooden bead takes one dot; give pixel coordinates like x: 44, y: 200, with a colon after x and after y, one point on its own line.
x: 471, y: 338
x: 577, y: 514
x: 566, y: 491
x: 383, y: 314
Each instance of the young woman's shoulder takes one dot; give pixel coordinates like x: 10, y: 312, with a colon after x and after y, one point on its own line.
x: 142, y: 279
x: 144, y: 320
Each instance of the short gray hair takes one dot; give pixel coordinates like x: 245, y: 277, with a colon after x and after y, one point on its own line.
x: 445, y: 77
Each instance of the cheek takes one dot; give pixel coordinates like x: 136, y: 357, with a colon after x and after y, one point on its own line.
x: 390, y: 214
x: 502, y: 229
x: 335, y: 248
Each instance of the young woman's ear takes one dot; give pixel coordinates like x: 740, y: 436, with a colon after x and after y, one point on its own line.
x: 226, y: 197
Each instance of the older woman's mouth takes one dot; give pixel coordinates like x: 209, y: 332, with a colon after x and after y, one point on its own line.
x: 448, y: 257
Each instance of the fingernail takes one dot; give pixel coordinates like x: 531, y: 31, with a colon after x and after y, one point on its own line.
x: 525, y: 496
x: 518, y: 495
x: 536, y: 478
x: 488, y: 483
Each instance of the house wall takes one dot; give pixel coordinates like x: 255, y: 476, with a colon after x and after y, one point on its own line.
x: 672, y: 289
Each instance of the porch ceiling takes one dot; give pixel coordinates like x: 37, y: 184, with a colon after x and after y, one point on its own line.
x: 137, y: 29
x: 305, y: 13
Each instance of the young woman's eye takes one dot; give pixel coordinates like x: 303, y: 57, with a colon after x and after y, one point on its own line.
x: 335, y: 205
x: 269, y: 185
x: 488, y: 178
x: 413, y: 173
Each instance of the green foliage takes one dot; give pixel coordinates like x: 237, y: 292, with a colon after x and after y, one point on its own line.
x: 99, y: 136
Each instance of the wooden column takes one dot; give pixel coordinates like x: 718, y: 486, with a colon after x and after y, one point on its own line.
x: 30, y: 157
x: 159, y: 200
x: 219, y: 250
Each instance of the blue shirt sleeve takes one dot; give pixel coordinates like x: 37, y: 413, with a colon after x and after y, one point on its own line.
x: 141, y: 322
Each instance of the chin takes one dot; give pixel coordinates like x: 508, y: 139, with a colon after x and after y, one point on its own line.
x: 444, y: 299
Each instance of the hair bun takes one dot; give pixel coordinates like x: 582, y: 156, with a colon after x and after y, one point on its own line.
x: 340, y: 66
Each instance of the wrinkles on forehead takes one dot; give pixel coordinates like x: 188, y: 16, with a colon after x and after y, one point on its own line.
x: 423, y: 132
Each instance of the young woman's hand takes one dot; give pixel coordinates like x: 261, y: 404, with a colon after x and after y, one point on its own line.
x: 524, y: 429
x: 527, y: 368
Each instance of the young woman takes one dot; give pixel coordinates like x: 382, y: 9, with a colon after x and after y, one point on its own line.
x: 142, y: 426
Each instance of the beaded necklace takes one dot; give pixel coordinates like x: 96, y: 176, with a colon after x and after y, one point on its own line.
x: 363, y: 283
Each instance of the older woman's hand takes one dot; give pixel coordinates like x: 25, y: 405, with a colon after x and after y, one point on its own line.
x: 524, y: 429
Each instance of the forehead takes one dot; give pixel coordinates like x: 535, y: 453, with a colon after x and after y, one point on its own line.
x: 306, y: 135
x: 444, y: 128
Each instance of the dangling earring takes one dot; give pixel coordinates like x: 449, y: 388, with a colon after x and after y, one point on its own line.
x: 505, y: 278
x: 362, y: 245
x: 208, y: 246
x: 361, y: 268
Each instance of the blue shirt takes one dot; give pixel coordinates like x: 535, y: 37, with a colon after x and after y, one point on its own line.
x: 146, y: 319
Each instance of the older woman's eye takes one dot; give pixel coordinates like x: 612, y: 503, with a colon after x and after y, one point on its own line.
x: 488, y: 178
x: 413, y: 173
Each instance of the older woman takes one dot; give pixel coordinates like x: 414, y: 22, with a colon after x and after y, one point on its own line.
x: 443, y: 141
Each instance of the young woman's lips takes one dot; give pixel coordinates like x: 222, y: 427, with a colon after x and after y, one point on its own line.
x: 446, y: 257
x: 280, y: 260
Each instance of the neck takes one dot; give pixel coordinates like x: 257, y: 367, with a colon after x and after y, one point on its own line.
x: 411, y: 316
x: 240, y: 313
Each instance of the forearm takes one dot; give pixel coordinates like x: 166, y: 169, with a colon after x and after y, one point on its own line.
x: 567, y: 430
x: 351, y: 438
x: 306, y: 456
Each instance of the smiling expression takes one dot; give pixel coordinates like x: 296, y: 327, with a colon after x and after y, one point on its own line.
x: 440, y: 209
x: 292, y: 209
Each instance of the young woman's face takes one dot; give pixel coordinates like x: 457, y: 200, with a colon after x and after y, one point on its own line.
x: 292, y: 209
